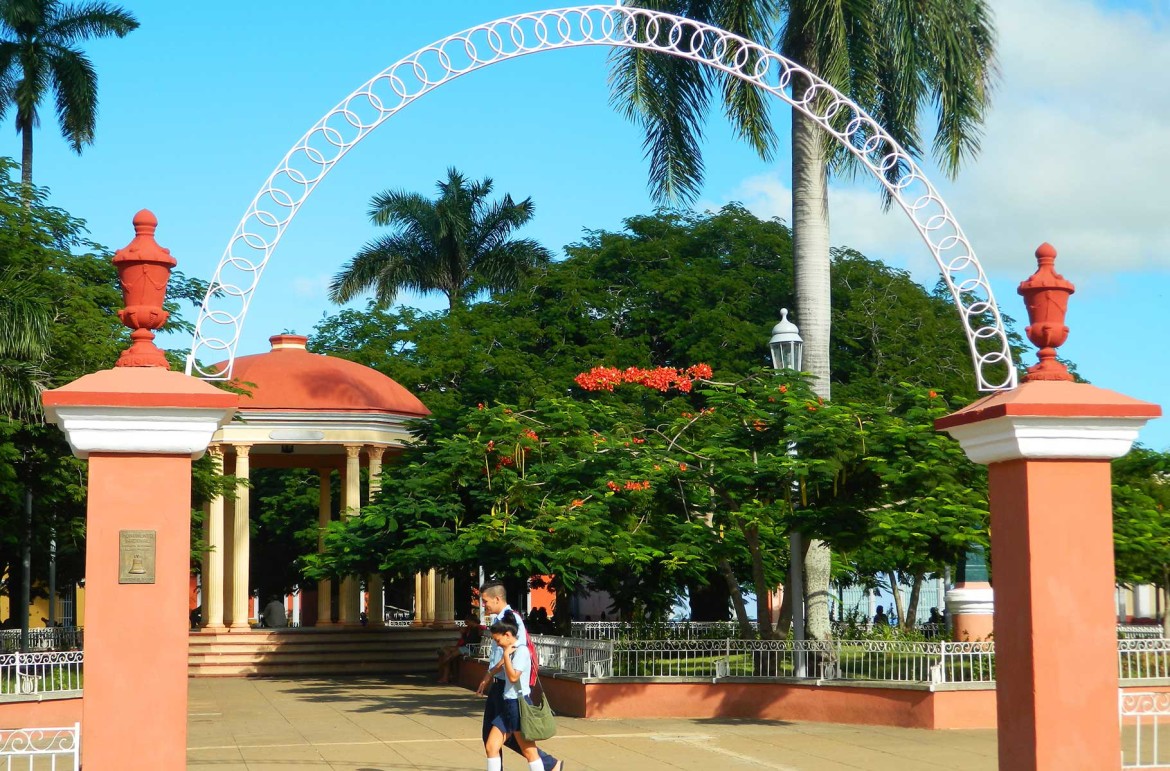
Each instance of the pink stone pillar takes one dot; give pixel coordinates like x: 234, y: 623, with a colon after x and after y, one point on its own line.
x: 1047, y: 445
x: 140, y: 426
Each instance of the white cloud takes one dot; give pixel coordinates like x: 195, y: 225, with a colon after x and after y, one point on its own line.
x: 1075, y: 152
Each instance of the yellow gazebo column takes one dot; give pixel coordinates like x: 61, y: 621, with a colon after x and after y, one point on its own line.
x: 444, y: 600
x: 376, y: 612
x: 424, y: 598
x: 324, y: 515
x: 241, y: 541
x: 229, y: 548
x: 347, y: 598
x: 213, y: 556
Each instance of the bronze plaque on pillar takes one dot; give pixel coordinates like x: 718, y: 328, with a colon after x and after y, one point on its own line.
x: 136, y: 556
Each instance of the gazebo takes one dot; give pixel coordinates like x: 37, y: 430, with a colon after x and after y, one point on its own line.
x: 306, y: 410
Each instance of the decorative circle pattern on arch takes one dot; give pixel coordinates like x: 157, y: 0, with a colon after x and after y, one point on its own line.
x: 221, y: 317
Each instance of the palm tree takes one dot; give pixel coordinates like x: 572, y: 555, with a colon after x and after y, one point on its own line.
x: 24, y: 343
x: 457, y: 244
x: 894, y: 57
x: 39, y: 53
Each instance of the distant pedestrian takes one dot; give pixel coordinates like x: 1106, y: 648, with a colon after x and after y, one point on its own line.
x: 273, y: 615
x: 495, y: 601
x: 880, y: 618
x: 467, y: 645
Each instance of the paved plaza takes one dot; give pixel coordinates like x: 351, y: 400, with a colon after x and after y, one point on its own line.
x: 374, y: 724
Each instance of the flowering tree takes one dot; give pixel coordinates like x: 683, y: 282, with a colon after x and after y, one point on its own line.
x: 710, y: 475
x: 539, y: 491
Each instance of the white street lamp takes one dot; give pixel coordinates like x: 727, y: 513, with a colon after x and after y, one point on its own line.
x: 787, y: 345
x: 787, y: 348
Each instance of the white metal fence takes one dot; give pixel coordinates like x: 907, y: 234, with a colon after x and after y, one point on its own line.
x: 677, y: 630
x: 41, y: 749
x: 53, y: 638
x: 592, y: 658
x: 877, y: 660
x: 932, y: 662
x: 1139, y: 631
x: 34, y: 673
x: 1143, y: 659
x: 1143, y: 716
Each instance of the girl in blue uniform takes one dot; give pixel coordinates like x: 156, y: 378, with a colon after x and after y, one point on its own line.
x: 517, y: 665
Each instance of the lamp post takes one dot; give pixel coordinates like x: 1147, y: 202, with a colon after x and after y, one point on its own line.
x: 786, y: 345
x: 787, y: 349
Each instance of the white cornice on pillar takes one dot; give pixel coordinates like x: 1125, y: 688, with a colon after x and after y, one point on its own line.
x: 1012, y: 437
x: 971, y: 601
x: 146, y: 430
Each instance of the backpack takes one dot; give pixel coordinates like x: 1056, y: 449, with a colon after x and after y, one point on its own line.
x: 535, y: 661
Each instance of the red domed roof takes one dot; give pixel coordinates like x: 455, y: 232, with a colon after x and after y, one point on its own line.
x: 290, y: 378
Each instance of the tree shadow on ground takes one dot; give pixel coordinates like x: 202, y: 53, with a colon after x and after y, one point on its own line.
x: 397, y: 695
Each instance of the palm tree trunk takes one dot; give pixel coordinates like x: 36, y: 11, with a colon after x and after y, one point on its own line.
x: 26, y: 159
x: 810, y: 248
x: 810, y: 252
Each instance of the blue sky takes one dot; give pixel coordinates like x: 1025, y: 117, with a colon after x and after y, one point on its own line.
x: 198, y: 107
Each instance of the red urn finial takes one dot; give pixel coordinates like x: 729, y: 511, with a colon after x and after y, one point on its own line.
x: 1045, y: 295
x: 144, y: 268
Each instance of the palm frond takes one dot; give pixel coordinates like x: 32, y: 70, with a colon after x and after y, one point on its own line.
x: 89, y: 20
x: 9, y: 75
x: 386, y: 265
x: 965, y: 71
x: 745, y: 105
x: 501, y: 268
x: 75, y: 91
x: 21, y: 384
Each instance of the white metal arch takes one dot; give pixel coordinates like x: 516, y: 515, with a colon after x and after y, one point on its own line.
x: 220, y: 321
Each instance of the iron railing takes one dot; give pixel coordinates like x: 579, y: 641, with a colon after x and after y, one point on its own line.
x: 1143, y: 716
x: 1143, y: 659
x: 875, y: 660
x: 53, y: 638
x: 37, y: 673
x: 896, y: 661
x: 54, y: 749
x: 667, y: 630
x: 1139, y: 631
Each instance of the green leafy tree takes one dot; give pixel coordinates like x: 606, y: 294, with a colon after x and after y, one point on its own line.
x: 39, y: 53
x: 1141, y: 527
x: 459, y: 244
x: 652, y: 295
x: 931, y: 505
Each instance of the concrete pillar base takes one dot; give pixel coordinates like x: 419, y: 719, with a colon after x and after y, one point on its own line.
x: 971, y: 608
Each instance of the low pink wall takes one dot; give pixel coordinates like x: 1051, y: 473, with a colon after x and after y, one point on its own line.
x: 50, y: 713
x: 764, y: 701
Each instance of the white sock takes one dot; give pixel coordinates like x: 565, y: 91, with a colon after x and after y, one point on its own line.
x: 495, y: 764
x: 536, y: 765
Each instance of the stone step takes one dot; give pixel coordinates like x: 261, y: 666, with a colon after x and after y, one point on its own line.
x: 314, y: 669
x: 316, y: 651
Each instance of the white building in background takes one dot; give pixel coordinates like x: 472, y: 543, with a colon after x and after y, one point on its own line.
x: 1140, y: 602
